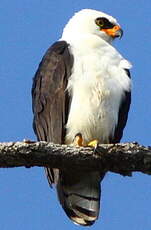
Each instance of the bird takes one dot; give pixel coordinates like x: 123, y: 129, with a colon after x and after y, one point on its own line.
x: 81, y: 96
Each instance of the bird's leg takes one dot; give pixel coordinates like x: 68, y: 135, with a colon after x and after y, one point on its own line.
x: 78, y: 140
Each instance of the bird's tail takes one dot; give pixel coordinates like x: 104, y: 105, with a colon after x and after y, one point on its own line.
x: 79, y: 196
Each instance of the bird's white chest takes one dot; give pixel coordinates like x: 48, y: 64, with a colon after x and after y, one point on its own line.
x: 96, y: 91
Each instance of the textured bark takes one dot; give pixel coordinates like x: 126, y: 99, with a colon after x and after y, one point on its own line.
x: 119, y: 158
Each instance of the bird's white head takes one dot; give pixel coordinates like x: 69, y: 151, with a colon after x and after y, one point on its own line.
x: 88, y: 21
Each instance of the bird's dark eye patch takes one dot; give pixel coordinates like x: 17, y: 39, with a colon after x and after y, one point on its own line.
x: 104, y: 23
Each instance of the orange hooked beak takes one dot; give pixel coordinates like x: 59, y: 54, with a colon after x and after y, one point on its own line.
x: 114, y: 32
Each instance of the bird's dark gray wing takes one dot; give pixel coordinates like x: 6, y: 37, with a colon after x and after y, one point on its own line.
x: 123, y: 115
x: 50, y: 99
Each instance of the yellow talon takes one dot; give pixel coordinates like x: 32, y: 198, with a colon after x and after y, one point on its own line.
x: 78, y: 140
x: 93, y: 143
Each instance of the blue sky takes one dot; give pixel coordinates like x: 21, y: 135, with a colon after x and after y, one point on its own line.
x: 28, y: 28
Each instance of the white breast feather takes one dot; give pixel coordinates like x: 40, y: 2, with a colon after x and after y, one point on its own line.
x: 96, y: 86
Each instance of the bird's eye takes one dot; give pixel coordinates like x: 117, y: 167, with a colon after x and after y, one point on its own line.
x: 99, y: 22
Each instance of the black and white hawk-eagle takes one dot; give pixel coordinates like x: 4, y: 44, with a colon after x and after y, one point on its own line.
x: 81, y: 95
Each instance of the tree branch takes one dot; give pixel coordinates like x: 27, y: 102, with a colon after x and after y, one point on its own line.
x: 119, y: 158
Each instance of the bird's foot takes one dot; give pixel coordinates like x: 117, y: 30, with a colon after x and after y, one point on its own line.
x: 93, y: 143
x: 78, y: 140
